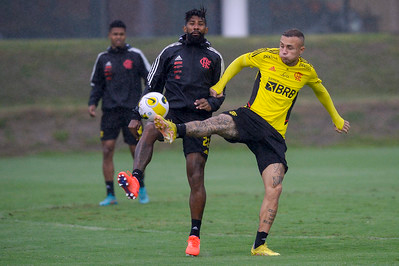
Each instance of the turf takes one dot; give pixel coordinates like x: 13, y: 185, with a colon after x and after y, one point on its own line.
x: 339, y: 206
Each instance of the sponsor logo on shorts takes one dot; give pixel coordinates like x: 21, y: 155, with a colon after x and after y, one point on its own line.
x: 233, y: 113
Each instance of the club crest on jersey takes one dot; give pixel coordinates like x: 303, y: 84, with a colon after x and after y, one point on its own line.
x: 298, y: 76
x: 205, y: 62
x: 128, y: 64
x: 280, y: 89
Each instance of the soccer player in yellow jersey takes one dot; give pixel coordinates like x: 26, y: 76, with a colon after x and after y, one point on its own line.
x: 262, y: 123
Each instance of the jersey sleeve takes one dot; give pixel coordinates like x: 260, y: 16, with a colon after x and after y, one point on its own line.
x: 97, y: 82
x: 214, y: 102
x: 233, y: 69
x: 324, y: 97
x: 157, y: 75
x: 313, y: 77
x: 145, y: 69
x: 255, y: 59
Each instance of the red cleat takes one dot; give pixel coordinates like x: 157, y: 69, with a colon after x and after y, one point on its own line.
x: 193, y: 247
x: 129, y: 183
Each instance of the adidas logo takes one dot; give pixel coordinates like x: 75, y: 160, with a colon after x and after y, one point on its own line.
x: 195, y: 228
x: 178, y: 58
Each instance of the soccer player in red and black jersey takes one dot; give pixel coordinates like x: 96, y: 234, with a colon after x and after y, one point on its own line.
x: 184, y: 71
x: 117, y: 79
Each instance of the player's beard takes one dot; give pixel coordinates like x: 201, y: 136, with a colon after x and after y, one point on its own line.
x: 191, y: 39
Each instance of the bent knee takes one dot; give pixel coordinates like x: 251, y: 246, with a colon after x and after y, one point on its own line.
x: 273, y: 193
x: 196, y: 181
x: 108, y: 147
x: 150, y: 131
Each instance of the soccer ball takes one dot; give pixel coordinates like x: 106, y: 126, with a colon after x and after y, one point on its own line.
x: 151, y: 104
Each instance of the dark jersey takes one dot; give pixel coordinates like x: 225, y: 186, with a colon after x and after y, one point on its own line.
x: 184, y: 72
x: 117, y: 77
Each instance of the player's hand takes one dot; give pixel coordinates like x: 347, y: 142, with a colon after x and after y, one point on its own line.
x: 213, y: 93
x: 92, y: 110
x: 134, y: 127
x: 203, y: 104
x: 345, y: 128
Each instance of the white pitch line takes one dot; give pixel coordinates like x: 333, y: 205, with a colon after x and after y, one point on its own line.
x: 98, y: 228
x: 85, y: 227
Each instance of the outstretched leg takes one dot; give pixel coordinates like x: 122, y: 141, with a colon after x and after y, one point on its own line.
x: 222, y: 125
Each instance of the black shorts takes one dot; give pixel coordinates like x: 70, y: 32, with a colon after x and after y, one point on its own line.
x: 261, y: 138
x: 112, y: 121
x: 191, y: 144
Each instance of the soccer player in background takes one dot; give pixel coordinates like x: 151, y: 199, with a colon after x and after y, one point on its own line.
x: 117, y: 79
x: 263, y: 122
x: 184, y: 70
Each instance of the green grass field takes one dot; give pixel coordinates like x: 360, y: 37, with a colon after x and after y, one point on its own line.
x: 339, y: 206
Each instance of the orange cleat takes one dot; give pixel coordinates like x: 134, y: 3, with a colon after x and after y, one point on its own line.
x: 193, y: 247
x: 129, y: 183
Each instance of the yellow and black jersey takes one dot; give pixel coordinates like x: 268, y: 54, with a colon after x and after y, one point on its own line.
x: 277, y: 85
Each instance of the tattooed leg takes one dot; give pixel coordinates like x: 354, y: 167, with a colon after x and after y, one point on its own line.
x: 222, y: 125
x: 272, y: 177
x: 277, y: 174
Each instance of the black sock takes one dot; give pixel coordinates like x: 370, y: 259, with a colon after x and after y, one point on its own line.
x: 140, y: 176
x: 260, y: 239
x: 181, y: 130
x: 110, y: 187
x: 195, y: 227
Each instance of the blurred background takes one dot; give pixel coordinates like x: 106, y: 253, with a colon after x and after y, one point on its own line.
x: 48, y: 49
x: 153, y: 18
